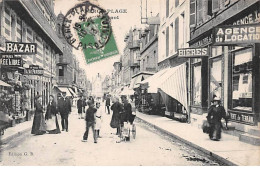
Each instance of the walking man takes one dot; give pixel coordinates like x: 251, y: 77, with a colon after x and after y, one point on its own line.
x: 80, y: 105
x: 64, y: 108
x: 108, y: 104
x: 90, y: 121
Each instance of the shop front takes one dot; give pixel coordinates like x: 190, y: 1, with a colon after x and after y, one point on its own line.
x: 231, y: 72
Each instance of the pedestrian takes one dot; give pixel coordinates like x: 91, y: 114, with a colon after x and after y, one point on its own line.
x: 117, y: 108
x: 51, y: 117
x: 91, y: 99
x: 127, y: 111
x: 64, y: 108
x: 215, y: 113
x: 84, y: 106
x: 108, y: 104
x: 80, y: 105
x: 39, y: 126
x: 90, y: 121
x: 98, y: 119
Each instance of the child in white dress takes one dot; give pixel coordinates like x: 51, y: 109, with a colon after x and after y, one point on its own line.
x: 98, y: 120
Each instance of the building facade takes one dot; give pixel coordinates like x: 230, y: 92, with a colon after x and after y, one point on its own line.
x: 30, y: 21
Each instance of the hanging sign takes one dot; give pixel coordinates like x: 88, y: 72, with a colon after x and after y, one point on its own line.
x: 33, y: 70
x: 193, y: 52
x: 236, y: 34
x: 20, y: 48
x: 11, y: 60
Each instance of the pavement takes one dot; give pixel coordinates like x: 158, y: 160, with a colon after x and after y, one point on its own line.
x: 229, y: 150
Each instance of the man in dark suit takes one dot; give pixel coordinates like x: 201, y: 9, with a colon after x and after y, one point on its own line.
x: 64, y: 108
x: 108, y: 104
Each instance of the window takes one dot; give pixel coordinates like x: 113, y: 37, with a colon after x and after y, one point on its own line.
x: 242, y: 80
x: 176, y: 34
x: 192, y: 13
x: 167, y: 41
x: 196, y: 84
x: 167, y: 8
x: 176, y: 3
x: 216, y: 78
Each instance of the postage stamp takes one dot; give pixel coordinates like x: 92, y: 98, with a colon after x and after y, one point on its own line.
x: 87, y: 27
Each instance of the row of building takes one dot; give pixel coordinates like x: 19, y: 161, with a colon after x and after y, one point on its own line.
x: 34, y: 21
x: 183, y: 87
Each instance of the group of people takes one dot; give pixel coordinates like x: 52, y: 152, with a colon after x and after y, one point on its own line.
x: 49, y: 123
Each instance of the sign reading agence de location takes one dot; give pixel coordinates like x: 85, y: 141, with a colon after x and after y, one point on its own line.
x: 193, y: 52
x: 21, y: 48
x: 236, y: 34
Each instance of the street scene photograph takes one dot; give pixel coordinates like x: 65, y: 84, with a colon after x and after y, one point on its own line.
x: 129, y: 83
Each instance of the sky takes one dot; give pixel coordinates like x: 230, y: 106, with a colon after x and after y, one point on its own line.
x: 120, y: 28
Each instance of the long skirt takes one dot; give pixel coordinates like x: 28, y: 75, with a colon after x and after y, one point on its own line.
x: 56, y: 127
x: 39, y: 126
x: 215, y: 131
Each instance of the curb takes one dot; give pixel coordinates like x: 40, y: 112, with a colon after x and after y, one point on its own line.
x: 221, y: 159
x: 9, y: 138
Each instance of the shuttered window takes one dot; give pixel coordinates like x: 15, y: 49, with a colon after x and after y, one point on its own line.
x: 192, y: 13
x: 167, y: 41
x: 176, y: 34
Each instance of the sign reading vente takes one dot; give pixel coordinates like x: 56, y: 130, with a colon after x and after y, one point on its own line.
x: 21, y: 48
x: 237, y: 34
x: 193, y: 52
x: 33, y: 70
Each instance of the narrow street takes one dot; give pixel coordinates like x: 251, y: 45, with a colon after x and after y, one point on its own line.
x: 149, y: 148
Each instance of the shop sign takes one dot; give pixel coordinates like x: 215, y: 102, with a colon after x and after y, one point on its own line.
x: 242, y: 117
x: 21, y: 48
x: 11, y: 60
x: 237, y: 34
x: 193, y: 52
x: 33, y: 70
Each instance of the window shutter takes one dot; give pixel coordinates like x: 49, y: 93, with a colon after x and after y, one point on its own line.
x: 176, y: 33
x: 167, y: 8
x: 215, y: 6
x: 176, y: 3
x: 167, y: 41
x: 192, y: 13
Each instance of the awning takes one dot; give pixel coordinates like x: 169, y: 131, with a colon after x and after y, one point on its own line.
x: 72, y: 92
x: 172, y: 81
x: 127, y: 91
x: 136, y: 81
x: 2, y: 83
x: 175, y: 84
x: 65, y: 89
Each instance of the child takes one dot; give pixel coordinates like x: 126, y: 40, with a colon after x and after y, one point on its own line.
x: 98, y: 120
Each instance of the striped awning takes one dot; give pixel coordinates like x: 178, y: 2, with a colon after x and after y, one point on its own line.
x: 65, y: 89
x: 175, y: 85
x: 72, y: 92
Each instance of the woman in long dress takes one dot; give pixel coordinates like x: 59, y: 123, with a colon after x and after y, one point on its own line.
x: 39, y: 126
x: 51, y: 117
x: 117, y: 108
x: 215, y: 113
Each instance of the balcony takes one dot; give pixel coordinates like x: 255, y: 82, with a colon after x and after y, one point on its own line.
x: 134, y: 44
x: 136, y: 64
x: 62, y: 61
x: 150, y: 69
x: 62, y: 80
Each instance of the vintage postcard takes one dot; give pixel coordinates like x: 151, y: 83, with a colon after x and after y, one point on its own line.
x: 129, y: 83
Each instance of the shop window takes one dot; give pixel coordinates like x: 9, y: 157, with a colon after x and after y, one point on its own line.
x: 216, y: 78
x: 196, y: 84
x: 242, y: 80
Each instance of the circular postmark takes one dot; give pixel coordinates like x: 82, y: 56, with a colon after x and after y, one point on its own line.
x: 87, y: 26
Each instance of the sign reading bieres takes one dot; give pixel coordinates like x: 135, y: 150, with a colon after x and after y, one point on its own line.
x: 237, y: 34
x: 193, y: 52
x: 21, y: 48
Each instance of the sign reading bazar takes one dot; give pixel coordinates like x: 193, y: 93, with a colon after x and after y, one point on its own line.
x: 21, y: 48
x: 193, y: 52
x: 237, y: 34
x: 33, y: 70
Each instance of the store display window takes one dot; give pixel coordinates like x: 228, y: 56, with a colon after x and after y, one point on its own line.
x: 196, y: 94
x: 242, y: 79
